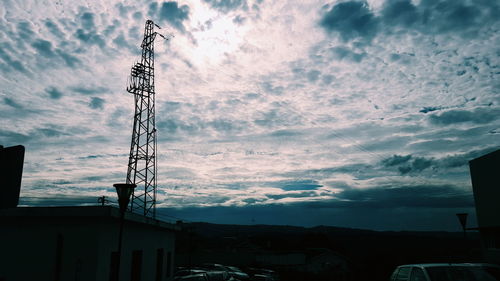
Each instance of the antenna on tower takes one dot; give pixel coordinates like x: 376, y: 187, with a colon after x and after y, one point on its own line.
x: 142, y: 163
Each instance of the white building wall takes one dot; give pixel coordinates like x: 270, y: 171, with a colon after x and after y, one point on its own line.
x: 29, y: 248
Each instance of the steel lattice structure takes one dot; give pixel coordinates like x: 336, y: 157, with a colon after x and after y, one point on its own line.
x: 142, y: 164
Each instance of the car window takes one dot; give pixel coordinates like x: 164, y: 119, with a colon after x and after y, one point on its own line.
x: 481, y: 274
x: 459, y: 273
x: 417, y: 274
x: 403, y: 274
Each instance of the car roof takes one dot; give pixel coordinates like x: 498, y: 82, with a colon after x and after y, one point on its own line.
x: 439, y: 264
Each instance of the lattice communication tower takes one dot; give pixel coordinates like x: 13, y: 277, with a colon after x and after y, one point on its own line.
x: 142, y: 164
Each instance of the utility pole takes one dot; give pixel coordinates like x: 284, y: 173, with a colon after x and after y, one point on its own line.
x: 142, y: 164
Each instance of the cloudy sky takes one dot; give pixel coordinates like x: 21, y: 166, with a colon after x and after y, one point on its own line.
x: 347, y: 113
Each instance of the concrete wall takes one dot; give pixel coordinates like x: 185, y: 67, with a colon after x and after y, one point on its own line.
x: 135, y: 237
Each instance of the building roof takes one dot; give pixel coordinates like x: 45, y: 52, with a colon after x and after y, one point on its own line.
x: 74, y: 212
x: 487, y: 157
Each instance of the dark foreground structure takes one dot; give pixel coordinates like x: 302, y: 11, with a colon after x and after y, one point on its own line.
x: 485, y: 175
x: 80, y: 243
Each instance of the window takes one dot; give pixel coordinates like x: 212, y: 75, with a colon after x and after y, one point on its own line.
x: 417, y: 274
x: 403, y: 274
x: 136, y: 269
x: 159, y: 264
x: 113, y: 267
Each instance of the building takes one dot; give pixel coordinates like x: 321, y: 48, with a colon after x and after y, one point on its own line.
x: 80, y: 243
x: 485, y: 175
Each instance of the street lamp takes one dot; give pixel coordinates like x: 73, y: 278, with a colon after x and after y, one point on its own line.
x: 124, y: 191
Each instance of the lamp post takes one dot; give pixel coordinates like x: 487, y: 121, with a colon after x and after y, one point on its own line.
x: 124, y: 191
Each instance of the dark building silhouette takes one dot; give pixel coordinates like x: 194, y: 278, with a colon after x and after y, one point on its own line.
x: 485, y: 175
x: 11, y: 171
x: 80, y: 243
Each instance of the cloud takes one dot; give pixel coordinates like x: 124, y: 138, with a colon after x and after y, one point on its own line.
x: 96, y: 103
x: 86, y: 90
x: 479, y: 115
x: 304, y: 194
x: 355, y: 20
x: 171, y: 12
x: 54, y: 28
x: 54, y: 93
x: 87, y: 21
x: 434, y: 196
x: 296, y: 185
x: 428, y: 109
x: 13, y: 138
x: 9, y: 62
x: 90, y: 38
x: 341, y: 53
x: 396, y: 160
x: 351, y: 20
x: 401, y: 12
x: 227, y: 5
x: 44, y: 48
x: 12, y: 103
x: 313, y: 75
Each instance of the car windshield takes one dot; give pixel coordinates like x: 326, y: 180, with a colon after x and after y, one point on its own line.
x: 459, y: 273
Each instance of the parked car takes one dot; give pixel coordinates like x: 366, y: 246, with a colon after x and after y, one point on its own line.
x: 236, y: 273
x: 193, y: 277
x: 185, y: 272
x: 442, y: 272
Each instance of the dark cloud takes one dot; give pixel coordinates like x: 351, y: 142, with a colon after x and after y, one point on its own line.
x: 87, y: 19
x: 351, y: 20
x: 54, y: 93
x: 90, y: 38
x: 428, y: 109
x: 341, y: 53
x: 227, y: 5
x: 172, y: 13
x: 479, y: 115
x: 49, y: 132
x: 408, y: 163
x: 96, y: 103
x: 434, y: 196
x: 172, y: 126
x: 121, y: 42
x: 54, y: 29
x: 70, y: 60
x: 460, y: 160
x: 44, y: 48
x: 9, y: 62
x: 270, y: 88
x: 25, y: 30
x: 124, y: 10
x: 354, y: 19
x: 400, y: 12
x: 313, y: 75
x: 12, y: 103
x: 240, y: 20
x: 89, y: 90
x: 285, y: 133
x: 304, y: 194
x: 13, y: 138
x: 296, y: 185
x: 396, y: 160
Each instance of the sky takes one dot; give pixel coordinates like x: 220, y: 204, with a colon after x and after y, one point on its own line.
x: 350, y: 113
